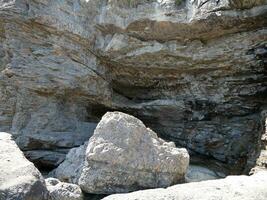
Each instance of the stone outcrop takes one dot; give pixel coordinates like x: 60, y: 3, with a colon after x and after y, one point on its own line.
x: 193, y: 71
x: 63, y: 191
x: 233, y: 187
x: 19, y: 179
x: 123, y: 155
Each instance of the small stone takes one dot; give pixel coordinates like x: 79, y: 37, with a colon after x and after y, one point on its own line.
x: 63, y: 191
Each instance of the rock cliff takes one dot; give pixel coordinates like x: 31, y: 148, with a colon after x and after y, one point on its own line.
x: 192, y: 70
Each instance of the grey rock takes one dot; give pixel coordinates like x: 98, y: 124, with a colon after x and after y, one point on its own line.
x: 123, y: 155
x: 70, y: 170
x: 260, y: 159
x: 19, y: 179
x: 233, y: 187
x: 63, y: 191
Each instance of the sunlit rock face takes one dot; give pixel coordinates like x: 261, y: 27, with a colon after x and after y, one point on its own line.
x: 193, y: 71
x: 124, y: 155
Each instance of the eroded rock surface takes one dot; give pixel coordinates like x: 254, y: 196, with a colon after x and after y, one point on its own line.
x: 19, y: 179
x: 193, y: 71
x: 233, y: 187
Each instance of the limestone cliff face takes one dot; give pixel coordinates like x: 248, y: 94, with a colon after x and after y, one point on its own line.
x: 194, y: 71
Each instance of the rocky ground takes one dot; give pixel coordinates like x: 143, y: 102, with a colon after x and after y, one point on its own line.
x: 193, y: 71
x: 233, y: 187
x: 122, y: 156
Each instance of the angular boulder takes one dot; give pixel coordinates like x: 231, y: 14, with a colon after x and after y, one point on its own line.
x: 19, y: 179
x: 124, y: 155
x: 231, y: 188
x: 70, y: 169
x: 63, y: 191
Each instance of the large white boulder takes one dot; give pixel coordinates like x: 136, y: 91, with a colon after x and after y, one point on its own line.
x: 19, y: 179
x: 123, y: 155
x: 70, y: 169
x: 231, y: 188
